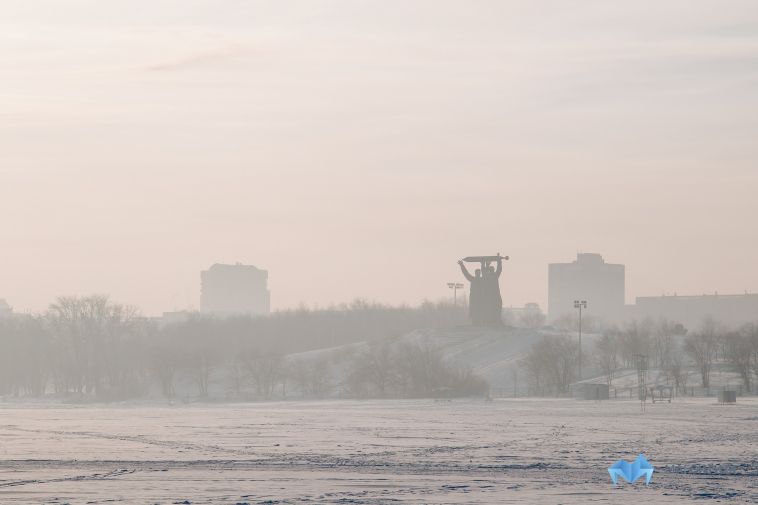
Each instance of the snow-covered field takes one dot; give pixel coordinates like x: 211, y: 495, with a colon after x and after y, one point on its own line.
x: 467, y: 451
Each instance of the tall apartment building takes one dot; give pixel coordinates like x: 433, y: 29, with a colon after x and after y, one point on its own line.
x: 588, y: 278
x: 228, y: 290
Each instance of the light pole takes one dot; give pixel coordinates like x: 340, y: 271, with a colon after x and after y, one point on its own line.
x: 580, y: 305
x: 455, y: 286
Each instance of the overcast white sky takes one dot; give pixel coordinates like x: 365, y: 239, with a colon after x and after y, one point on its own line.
x: 359, y: 148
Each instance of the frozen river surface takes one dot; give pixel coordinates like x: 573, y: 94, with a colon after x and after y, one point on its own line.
x: 467, y: 451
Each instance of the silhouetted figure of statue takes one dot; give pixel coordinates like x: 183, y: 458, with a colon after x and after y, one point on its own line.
x: 494, y: 302
x: 476, y: 294
x: 485, y: 302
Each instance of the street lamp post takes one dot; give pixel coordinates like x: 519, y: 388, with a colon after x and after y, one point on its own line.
x: 455, y: 286
x: 580, y: 304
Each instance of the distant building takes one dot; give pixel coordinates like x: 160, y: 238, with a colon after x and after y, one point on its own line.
x: 5, y: 309
x: 530, y: 309
x: 692, y: 310
x: 588, y: 278
x: 228, y: 290
x: 529, y: 316
x: 174, y: 317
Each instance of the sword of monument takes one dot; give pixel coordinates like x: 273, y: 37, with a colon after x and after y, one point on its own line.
x: 484, y: 259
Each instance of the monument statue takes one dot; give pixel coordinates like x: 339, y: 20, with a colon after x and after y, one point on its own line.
x: 485, y: 302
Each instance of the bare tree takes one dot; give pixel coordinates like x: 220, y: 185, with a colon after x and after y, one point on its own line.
x: 635, y: 339
x: 163, y: 364
x: 311, y: 377
x: 92, y: 334
x: 751, y: 331
x: 606, y: 355
x: 196, y: 346
x: 551, y: 365
x: 702, y: 347
x: 420, y: 368
x: 740, y: 351
x: 266, y: 370
x: 664, y: 336
x: 374, y: 371
x: 320, y: 377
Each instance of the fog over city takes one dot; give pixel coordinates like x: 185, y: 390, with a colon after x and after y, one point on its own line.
x: 378, y: 251
x: 144, y: 141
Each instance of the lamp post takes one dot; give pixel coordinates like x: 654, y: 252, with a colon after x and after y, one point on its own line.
x: 455, y: 286
x: 580, y: 304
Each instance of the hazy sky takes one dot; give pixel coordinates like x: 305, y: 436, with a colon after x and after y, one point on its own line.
x: 359, y: 148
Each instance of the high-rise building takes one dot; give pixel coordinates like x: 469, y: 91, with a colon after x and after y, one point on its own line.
x: 228, y: 290
x: 588, y: 278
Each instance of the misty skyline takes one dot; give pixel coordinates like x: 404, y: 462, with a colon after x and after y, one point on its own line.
x: 343, y: 145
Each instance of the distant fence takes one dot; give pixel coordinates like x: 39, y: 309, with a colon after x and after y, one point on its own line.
x: 693, y: 391
x: 626, y: 393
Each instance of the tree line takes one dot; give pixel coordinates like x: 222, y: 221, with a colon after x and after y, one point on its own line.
x: 552, y: 363
x: 409, y: 370
x: 93, y: 348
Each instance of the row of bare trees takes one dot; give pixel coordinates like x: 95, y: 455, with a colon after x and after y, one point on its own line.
x: 409, y: 370
x: 551, y: 364
x: 738, y: 348
x: 660, y: 340
x: 94, y: 348
x: 674, y: 350
x: 81, y: 345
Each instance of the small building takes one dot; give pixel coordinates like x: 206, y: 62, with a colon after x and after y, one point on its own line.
x: 175, y: 317
x: 727, y: 396
x: 528, y: 316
